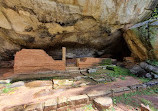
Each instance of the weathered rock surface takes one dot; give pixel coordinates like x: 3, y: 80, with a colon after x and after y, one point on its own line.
x: 54, y: 23
x: 142, y: 40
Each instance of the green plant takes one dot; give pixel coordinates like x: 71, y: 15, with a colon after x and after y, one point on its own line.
x: 88, y: 107
x: 129, y: 98
x: 6, y: 90
x: 152, y: 62
x: 143, y: 80
x: 106, y: 62
x: 119, y: 72
x: 155, y: 13
x: 122, y: 78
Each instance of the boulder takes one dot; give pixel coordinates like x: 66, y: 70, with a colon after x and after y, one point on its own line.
x: 149, y: 68
x: 138, y: 71
x: 103, y: 103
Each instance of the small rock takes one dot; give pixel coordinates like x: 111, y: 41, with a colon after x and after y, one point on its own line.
x: 155, y: 76
x: 148, y: 75
x: 92, y: 70
x: 17, y: 84
x: 78, y: 78
x: 83, y: 84
x: 150, y: 83
x: 68, y: 83
x: 5, y: 81
x: 100, y: 80
x: 110, y: 68
x: 103, y: 103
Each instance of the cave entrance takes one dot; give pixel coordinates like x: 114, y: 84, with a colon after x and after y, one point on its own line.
x: 116, y: 48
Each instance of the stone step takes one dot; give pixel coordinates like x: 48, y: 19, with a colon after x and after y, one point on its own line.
x: 72, y: 68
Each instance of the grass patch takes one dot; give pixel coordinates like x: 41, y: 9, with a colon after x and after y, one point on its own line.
x: 143, y: 80
x: 88, y: 107
x: 7, y: 90
x: 128, y: 99
x: 106, y: 62
x: 147, y: 102
x: 152, y: 62
x: 119, y: 72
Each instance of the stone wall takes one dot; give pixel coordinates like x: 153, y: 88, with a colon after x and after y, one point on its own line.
x: 32, y: 60
x: 88, y: 62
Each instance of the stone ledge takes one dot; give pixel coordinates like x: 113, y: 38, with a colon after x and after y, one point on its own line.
x: 121, y: 89
x: 50, y: 104
x: 98, y: 94
x: 62, y: 102
x: 78, y: 100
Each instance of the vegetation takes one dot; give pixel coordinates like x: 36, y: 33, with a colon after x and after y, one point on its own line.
x: 155, y: 14
x: 6, y: 90
x: 88, y: 107
x: 106, y: 62
x: 153, y: 62
x: 117, y: 72
x: 134, y: 100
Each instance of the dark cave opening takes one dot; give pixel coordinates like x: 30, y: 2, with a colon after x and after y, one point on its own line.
x: 118, y: 50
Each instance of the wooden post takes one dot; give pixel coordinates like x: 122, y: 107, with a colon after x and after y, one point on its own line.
x: 64, y: 54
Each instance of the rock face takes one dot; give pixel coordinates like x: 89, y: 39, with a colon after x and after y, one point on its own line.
x: 142, y: 39
x: 72, y: 23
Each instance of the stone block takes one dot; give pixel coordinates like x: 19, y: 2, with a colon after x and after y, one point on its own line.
x: 103, y: 103
x: 34, y: 107
x: 63, y: 101
x: 50, y: 105
x: 78, y: 100
x: 96, y: 94
x: 121, y: 89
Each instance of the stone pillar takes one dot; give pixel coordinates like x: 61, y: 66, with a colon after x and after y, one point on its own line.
x: 78, y: 60
x: 64, y: 54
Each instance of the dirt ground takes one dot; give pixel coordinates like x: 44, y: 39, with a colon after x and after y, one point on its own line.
x: 25, y: 95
